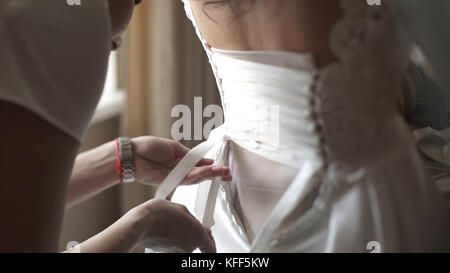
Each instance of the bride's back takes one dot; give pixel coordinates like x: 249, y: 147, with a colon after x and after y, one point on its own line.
x: 287, y: 25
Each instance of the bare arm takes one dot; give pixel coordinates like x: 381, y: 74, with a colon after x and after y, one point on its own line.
x: 95, y: 170
x: 35, y: 164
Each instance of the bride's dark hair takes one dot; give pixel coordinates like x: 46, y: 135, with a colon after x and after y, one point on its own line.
x: 238, y: 7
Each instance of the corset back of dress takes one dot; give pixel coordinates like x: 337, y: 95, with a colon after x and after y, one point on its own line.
x: 286, y: 112
x: 267, y: 108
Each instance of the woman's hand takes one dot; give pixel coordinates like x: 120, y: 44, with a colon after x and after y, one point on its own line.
x: 160, y: 225
x: 170, y: 227
x: 156, y: 157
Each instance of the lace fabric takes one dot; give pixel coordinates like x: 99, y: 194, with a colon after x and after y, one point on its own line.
x: 356, y: 96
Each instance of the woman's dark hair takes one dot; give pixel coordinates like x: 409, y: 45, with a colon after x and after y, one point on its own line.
x: 238, y: 7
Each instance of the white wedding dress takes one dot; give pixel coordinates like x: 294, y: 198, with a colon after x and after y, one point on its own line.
x: 321, y: 159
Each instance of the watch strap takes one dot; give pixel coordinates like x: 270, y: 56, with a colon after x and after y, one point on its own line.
x: 126, y: 154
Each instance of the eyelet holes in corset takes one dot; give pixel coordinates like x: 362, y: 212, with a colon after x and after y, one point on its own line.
x: 315, y: 116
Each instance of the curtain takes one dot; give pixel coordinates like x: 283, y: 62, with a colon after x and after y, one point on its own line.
x: 166, y: 67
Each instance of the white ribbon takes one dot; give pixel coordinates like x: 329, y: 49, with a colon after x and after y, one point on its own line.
x: 189, y: 161
x: 213, y: 191
x: 297, y: 191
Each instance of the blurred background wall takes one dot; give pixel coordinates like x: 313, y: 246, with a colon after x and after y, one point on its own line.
x: 161, y: 64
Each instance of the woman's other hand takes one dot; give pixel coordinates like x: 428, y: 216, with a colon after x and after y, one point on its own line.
x: 160, y: 225
x: 170, y: 227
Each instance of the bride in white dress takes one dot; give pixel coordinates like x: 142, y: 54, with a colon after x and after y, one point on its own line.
x: 322, y: 160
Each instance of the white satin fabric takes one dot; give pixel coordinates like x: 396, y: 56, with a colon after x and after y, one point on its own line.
x: 341, y: 163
